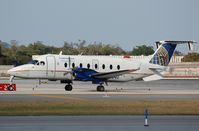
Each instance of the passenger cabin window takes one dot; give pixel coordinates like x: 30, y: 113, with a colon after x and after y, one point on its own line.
x: 80, y: 65
x: 103, y: 66
x: 111, y: 67
x: 118, y: 67
x: 96, y: 66
x: 65, y: 64
x: 73, y: 65
x: 42, y: 63
x: 88, y: 66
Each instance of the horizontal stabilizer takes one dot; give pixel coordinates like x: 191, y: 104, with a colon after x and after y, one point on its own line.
x: 153, y: 78
x: 157, y: 70
x: 189, y: 42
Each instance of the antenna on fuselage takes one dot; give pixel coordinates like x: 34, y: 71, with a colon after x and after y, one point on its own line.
x: 60, y: 53
x: 81, y: 53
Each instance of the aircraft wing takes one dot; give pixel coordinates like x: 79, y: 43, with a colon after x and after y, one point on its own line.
x: 85, y: 74
x: 108, y: 75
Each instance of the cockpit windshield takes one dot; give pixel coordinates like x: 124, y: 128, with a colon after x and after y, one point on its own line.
x: 34, y: 62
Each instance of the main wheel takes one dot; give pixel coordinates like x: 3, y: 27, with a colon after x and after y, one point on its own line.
x: 100, y: 88
x: 68, y: 87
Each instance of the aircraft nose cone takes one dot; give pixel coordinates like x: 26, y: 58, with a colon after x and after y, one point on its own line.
x: 19, y: 71
x: 10, y: 72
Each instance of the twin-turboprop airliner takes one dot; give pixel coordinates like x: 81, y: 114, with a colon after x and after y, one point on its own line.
x: 98, y: 69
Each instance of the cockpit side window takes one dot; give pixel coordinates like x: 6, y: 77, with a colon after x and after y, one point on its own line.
x: 34, y: 62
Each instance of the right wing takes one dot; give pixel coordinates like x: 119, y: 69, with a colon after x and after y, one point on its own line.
x: 108, y: 75
x: 90, y: 75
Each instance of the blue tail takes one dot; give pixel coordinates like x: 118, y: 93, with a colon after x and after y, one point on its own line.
x: 163, y: 54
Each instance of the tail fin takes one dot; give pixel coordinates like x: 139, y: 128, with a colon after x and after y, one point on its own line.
x: 163, y: 54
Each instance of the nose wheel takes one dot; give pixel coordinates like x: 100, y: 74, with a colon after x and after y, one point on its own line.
x: 10, y: 88
x: 100, y: 88
x: 68, y: 87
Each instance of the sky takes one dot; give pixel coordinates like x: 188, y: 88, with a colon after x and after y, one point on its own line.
x: 125, y: 23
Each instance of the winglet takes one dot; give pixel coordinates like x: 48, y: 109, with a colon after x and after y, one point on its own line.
x: 190, y: 45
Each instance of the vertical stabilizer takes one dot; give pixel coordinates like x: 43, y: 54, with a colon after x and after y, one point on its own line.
x: 163, y: 54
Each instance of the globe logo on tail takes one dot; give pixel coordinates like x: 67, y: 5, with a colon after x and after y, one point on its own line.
x: 161, y: 57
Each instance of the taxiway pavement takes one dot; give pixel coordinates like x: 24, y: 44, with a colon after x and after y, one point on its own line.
x: 134, y: 87
x: 163, y: 89
x: 98, y: 123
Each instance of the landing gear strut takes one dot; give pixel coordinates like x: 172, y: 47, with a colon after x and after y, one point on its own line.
x: 100, y: 88
x: 11, y: 79
x: 10, y: 88
x: 68, y: 87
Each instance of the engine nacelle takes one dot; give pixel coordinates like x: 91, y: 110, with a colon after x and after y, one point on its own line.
x: 85, y: 74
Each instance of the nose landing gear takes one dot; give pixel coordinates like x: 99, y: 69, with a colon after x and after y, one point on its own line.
x: 10, y: 88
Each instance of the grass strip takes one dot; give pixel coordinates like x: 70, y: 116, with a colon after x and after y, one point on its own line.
x: 99, y: 107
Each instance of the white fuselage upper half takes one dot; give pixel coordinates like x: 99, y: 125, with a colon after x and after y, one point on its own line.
x: 59, y: 67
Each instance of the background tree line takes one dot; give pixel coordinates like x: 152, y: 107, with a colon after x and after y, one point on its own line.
x: 16, y: 54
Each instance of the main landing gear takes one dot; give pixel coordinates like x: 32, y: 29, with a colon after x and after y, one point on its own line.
x: 68, y: 87
x: 100, y: 88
